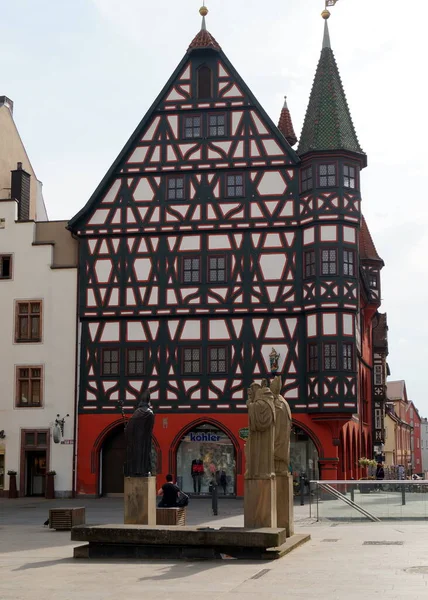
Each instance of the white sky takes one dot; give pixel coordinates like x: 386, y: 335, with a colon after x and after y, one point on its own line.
x: 82, y: 74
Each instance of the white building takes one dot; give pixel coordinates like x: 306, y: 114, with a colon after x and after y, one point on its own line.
x: 38, y: 294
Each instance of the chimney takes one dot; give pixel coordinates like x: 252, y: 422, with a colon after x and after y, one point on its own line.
x: 20, y: 191
x: 5, y: 101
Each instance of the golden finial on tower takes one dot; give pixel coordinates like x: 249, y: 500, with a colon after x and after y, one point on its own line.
x: 203, y: 11
x: 325, y: 14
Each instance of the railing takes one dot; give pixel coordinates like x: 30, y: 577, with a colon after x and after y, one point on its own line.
x: 373, y: 500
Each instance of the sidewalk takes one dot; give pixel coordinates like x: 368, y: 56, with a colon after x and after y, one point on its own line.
x: 342, y: 561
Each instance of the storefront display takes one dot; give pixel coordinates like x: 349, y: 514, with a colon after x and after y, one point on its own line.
x: 206, y: 455
x: 303, y: 455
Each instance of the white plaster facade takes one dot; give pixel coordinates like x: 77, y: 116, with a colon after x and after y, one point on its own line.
x: 44, y: 259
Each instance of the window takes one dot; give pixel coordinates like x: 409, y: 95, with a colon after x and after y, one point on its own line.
x: 349, y: 176
x: 110, y: 364
x: 218, y: 360
x: 327, y: 175
x: 192, y: 127
x: 176, y: 188
x: 191, y: 360
x: 329, y: 261
x: 191, y: 269
x: 313, y: 357
x: 235, y: 186
x: 378, y: 378
x: 349, y: 263
x: 330, y: 357
x: 310, y: 263
x: 29, y: 386
x: 28, y: 321
x: 307, y: 181
x: 217, y: 269
x: 204, y: 82
x: 348, y: 362
x: 373, y: 280
x: 217, y: 125
x: 135, y: 361
x: 5, y: 267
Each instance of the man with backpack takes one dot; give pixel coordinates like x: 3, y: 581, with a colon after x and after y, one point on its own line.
x: 172, y: 496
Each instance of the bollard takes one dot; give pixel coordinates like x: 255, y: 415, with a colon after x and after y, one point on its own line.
x: 214, y: 498
x: 352, y: 494
x: 302, y: 490
x: 403, y: 495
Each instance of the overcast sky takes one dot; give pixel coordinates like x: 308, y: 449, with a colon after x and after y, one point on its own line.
x: 82, y: 74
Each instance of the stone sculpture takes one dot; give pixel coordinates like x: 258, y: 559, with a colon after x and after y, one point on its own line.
x: 139, y: 439
x: 260, y: 444
x: 282, y: 429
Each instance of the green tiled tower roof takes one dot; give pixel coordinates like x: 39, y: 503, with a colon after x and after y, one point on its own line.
x: 328, y: 123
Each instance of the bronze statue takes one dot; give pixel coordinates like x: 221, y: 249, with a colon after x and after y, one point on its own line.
x: 260, y: 443
x: 282, y: 429
x: 139, y: 439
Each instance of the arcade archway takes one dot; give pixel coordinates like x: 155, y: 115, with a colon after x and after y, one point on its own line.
x: 303, y: 454
x: 112, y: 459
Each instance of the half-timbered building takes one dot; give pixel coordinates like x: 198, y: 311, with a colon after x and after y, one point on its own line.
x: 213, y: 254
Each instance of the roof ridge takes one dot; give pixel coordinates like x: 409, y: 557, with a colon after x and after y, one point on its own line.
x: 367, y: 248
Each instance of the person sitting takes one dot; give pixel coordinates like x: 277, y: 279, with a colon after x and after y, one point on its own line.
x: 169, y: 492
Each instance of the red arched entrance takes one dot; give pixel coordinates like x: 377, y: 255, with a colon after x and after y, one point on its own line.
x: 203, y: 450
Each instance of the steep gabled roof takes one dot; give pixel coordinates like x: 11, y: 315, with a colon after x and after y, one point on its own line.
x: 328, y: 124
x: 367, y: 248
x: 396, y: 390
x: 285, y: 124
x: 194, y: 47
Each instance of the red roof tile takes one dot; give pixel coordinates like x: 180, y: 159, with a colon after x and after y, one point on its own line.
x: 204, y: 40
x: 285, y: 125
x: 367, y: 248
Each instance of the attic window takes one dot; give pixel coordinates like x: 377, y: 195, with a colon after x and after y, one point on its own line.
x: 204, y: 82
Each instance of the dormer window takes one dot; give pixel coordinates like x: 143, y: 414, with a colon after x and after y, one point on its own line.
x: 373, y: 281
x: 327, y: 175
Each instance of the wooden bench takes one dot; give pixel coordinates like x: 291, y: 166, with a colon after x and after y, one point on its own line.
x: 63, y: 519
x: 171, y: 516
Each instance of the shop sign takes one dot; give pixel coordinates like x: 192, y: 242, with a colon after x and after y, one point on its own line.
x: 204, y: 437
x: 244, y: 433
x: 67, y: 442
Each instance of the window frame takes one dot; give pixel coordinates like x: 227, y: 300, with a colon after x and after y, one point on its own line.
x: 345, y: 365
x: 226, y: 185
x: 226, y: 128
x: 217, y: 256
x: 324, y: 357
x: 355, y: 178
x: 304, y: 180
x: 198, y: 93
x: 352, y: 253
x: 28, y: 340
x: 311, y: 264
x: 226, y: 359
x: 183, y: 360
x: 329, y: 262
x: 373, y: 276
x: 2, y: 258
x: 30, y: 379
x: 183, y: 270
x: 176, y: 177
x: 313, y: 361
x: 192, y: 116
x: 110, y: 349
x: 127, y: 361
x: 327, y: 164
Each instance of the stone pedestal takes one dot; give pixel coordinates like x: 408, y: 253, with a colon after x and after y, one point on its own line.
x: 285, y: 503
x: 140, y: 501
x: 260, y: 503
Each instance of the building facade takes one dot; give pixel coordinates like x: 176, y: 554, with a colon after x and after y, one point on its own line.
x: 380, y: 373
x: 38, y: 293
x: 398, y: 430
x: 424, y: 443
x: 415, y: 440
x: 213, y: 254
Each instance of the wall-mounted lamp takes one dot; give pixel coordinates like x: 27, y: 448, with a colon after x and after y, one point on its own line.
x: 58, y: 430
x: 2, y: 434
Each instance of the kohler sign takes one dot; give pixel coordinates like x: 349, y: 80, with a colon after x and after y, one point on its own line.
x: 204, y: 437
